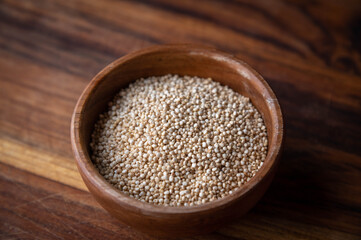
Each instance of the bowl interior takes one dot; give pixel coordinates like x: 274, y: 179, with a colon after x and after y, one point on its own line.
x: 182, y: 61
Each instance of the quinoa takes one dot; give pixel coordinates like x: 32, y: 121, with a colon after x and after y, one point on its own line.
x: 179, y: 141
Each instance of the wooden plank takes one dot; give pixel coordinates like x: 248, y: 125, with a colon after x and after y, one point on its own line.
x: 40, y: 162
x: 43, y: 209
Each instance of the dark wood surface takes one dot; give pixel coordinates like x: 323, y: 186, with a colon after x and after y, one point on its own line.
x: 308, y: 51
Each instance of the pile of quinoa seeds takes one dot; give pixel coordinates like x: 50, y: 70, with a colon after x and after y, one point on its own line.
x: 179, y: 141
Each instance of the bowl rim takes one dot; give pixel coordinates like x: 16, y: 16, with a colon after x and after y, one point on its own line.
x: 88, y: 170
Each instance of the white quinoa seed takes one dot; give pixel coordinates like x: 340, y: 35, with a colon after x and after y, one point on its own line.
x: 179, y: 141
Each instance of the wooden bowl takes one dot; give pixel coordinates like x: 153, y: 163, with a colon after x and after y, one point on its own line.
x: 182, y: 60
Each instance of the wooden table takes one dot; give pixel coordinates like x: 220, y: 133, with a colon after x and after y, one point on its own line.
x: 308, y: 51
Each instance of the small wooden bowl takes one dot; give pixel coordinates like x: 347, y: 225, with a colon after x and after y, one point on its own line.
x: 182, y: 60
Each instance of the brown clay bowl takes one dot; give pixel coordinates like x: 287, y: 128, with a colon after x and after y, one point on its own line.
x: 181, y: 60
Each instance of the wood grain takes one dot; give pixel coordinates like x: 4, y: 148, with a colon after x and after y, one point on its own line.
x: 308, y: 51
